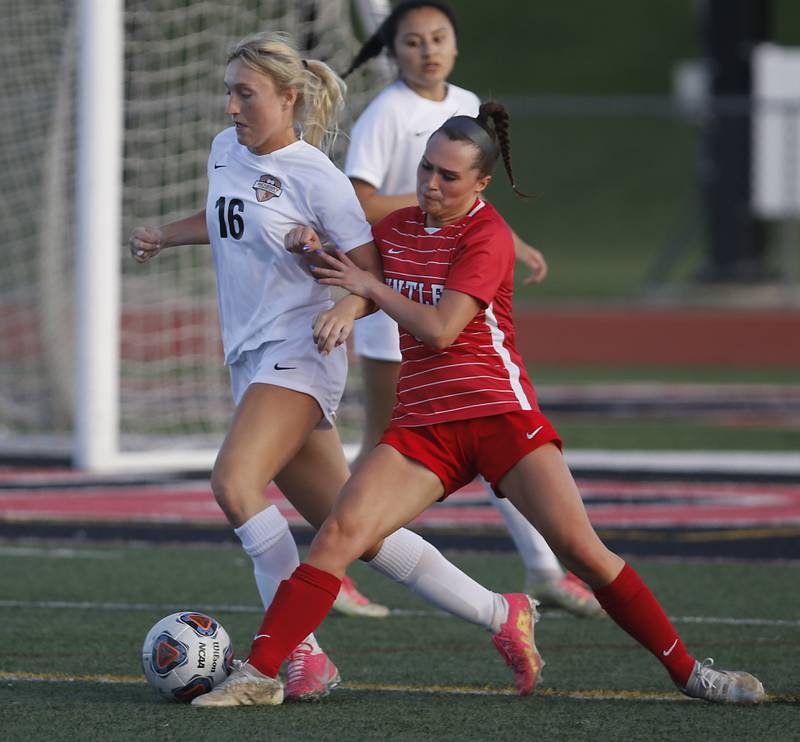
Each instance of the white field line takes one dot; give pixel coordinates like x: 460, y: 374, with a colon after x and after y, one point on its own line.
x: 57, y: 553
x: 396, y: 612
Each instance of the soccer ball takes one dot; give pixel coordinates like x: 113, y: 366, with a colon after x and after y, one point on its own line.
x: 185, y: 655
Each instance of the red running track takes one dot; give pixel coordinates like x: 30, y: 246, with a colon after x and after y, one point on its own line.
x: 26, y: 497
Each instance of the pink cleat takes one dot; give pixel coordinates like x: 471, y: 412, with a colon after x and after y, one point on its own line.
x: 310, y: 675
x: 351, y: 602
x: 515, y: 642
x: 569, y: 593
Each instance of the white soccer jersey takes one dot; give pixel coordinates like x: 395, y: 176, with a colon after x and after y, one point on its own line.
x: 389, y: 138
x: 264, y: 292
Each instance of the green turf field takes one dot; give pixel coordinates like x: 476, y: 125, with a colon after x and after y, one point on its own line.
x: 613, y: 190
x: 685, y: 433
x: 416, y: 675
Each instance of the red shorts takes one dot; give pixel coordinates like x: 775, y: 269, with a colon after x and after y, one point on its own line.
x: 458, y: 451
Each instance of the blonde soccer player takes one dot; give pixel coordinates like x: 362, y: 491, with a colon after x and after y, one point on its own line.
x: 267, y: 175
x: 465, y: 407
x: 386, y: 144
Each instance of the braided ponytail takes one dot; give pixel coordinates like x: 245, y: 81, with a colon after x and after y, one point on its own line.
x: 498, y: 115
x: 489, y: 134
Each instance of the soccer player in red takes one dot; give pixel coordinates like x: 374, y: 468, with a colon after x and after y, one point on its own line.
x: 385, y: 147
x: 465, y: 407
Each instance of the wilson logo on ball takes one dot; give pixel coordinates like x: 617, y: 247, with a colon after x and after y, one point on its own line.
x: 227, y: 661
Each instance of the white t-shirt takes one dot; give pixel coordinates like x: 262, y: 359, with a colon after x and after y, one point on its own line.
x: 264, y: 292
x: 389, y: 138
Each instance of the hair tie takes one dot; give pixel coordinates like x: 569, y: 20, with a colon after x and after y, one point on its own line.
x: 305, y: 64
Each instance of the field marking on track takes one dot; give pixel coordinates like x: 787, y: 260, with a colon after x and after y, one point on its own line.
x: 395, y: 612
x: 445, y: 690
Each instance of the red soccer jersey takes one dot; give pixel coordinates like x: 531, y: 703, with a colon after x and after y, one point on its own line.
x: 481, y: 373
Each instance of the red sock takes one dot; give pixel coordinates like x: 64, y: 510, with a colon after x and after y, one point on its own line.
x: 299, y: 606
x: 631, y: 604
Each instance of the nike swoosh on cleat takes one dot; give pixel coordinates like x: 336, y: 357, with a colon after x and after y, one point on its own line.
x: 668, y: 652
x: 532, y: 435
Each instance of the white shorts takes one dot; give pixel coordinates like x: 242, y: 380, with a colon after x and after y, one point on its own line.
x: 376, y: 336
x: 294, y: 364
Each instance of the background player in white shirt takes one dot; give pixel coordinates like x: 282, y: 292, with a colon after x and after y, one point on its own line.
x: 387, y: 142
x: 264, y: 180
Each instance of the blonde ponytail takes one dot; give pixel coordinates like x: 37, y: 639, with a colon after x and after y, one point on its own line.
x: 320, y: 91
x: 320, y: 105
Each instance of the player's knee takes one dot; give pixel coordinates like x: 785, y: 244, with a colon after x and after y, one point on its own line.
x: 337, y: 541
x: 230, y: 492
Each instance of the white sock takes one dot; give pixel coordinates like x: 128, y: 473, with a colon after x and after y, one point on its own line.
x: 410, y: 560
x: 540, y: 562
x: 267, y: 540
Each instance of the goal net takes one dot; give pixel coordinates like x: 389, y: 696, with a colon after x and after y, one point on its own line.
x: 172, y: 395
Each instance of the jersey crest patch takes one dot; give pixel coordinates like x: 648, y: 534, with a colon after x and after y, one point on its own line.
x: 267, y: 187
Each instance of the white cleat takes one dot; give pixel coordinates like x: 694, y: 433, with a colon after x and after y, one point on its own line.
x: 245, y: 686
x: 350, y: 602
x: 722, y: 686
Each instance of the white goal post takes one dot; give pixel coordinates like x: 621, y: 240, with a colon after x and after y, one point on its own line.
x: 98, y: 219
x: 116, y: 366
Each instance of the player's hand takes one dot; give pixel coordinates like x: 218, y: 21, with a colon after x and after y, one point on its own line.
x: 534, y: 260
x: 302, y: 241
x: 146, y: 243
x: 332, y: 328
x: 339, y: 270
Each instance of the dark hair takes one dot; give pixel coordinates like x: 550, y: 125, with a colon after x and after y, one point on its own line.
x: 489, y: 132
x: 384, y: 36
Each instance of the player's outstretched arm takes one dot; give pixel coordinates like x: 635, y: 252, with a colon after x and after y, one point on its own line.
x: 147, y: 242
x: 531, y: 258
x: 437, y: 326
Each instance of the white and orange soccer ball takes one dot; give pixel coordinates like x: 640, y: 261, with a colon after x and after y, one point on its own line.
x: 186, y: 654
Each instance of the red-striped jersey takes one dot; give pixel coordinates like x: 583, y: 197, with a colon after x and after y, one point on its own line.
x: 481, y: 373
